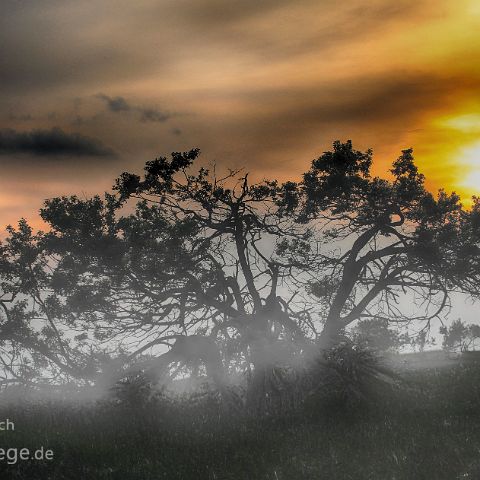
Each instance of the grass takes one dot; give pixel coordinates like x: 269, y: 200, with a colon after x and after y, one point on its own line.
x: 429, y: 429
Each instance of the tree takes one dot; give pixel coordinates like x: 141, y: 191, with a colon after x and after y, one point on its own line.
x: 460, y: 336
x: 379, y: 336
x: 259, y: 275
x: 402, y: 241
x: 34, y: 346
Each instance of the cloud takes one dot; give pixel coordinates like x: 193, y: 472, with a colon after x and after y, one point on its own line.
x: 280, y: 128
x: 218, y: 13
x: 272, y: 31
x: 116, y: 104
x: 389, y: 97
x: 146, y: 114
x: 371, y: 99
x: 34, y: 60
x: 53, y: 142
x: 152, y: 115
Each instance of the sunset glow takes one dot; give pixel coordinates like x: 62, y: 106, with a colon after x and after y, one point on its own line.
x: 263, y: 85
x: 471, y: 180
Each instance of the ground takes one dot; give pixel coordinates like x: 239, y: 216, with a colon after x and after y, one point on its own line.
x: 429, y: 428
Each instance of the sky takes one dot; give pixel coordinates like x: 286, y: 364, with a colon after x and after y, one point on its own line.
x: 93, y: 88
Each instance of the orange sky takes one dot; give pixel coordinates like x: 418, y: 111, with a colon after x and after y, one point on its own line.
x: 92, y: 88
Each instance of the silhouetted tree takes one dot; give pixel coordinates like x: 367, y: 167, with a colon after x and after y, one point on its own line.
x: 460, y: 336
x: 38, y: 345
x: 393, y: 239
x: 256, y: 276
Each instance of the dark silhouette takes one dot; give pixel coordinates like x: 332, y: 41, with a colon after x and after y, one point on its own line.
x: 266, y: 274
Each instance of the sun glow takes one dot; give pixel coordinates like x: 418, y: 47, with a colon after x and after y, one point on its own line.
x: 454, y: 159
x: 464, y: 123
x: 471, y: 180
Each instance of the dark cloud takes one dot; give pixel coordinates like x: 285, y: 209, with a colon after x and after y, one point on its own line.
x: 116, y: 104
x: 215, y: 13
x: 376, y: 110
x: 152, y: 115
x: 392, y: 97
x: 146, y: 114
x: 53, y: 46
x: 54, y: 142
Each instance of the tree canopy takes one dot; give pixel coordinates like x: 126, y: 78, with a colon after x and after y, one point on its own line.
x: 183, y: 265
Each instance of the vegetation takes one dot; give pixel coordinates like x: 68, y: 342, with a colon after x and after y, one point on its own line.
x: 429, y: 430
x: 183, y: 271
x: 460, y: 336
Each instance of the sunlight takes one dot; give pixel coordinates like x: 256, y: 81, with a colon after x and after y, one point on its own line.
x: 458, y: 166
x: 471, y: 156
x: 474, y: 7
x: 464, y: 123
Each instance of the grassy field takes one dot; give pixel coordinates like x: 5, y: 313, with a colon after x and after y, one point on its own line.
x: 427, y: 429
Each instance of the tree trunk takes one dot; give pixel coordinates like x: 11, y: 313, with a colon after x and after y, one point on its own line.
x: 331, y: 335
